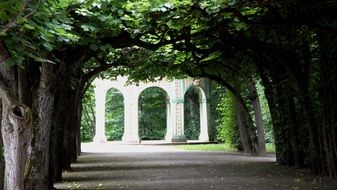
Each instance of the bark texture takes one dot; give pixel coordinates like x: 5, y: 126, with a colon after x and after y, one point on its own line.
x: 37, y: 177
x: 243, y: 129
x: 15, y: 131
x: 254, y: 98
x: 15, y: 126
x: 2, y: 161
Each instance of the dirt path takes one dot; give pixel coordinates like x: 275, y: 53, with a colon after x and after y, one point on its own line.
x: 150, y: 167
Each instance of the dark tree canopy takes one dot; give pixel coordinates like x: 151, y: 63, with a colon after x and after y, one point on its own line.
x: 50, y: 51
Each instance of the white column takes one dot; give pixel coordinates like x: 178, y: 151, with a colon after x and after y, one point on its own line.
x: 131, y: 129
x: 100, y: 93
x: 204, y: 115
x: 177, y: 121
x: 169, y: 127
x: 177, y: 112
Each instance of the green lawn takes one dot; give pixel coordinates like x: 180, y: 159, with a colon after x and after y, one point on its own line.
x: 218, y: 147
x: 270, y: 148
x: 207, y: 147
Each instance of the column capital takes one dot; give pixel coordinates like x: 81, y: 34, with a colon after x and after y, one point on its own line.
x: 178, y: 101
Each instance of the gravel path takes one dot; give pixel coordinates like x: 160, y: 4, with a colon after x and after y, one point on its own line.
x: 162, y: 167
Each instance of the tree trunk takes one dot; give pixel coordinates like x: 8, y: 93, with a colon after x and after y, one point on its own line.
x: 243, y: 129
x: 78, y: 138
x: 275, y: 100
x: 254, y: 98
x: 43, y: 105
x: 75, y: 125
x: 328, y: 94
x: 328, y: 104
x: 57, y: 132
x: 15, y: 132
x: 60, y: 119
x: 15, y: 126
x: 68, y: 144
x: 2, y: 162
x: 294, y: 145
x: 52, y: 155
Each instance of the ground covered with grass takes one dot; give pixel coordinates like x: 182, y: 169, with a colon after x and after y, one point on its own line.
x: 217, y: 147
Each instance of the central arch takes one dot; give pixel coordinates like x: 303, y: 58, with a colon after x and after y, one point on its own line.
x: 152, y: 113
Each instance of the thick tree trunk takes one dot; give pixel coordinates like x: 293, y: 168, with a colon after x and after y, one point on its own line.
x: 328, y: 104
x: 276, y: 101
x: 15, y: 133
x: 63, y: 114
x: 2, y: 161
x: 62, y: 117
x: 57, y: 135
x: 329, y: 113
x: 254, y: 98
x: 60, y: 124
x: 294, y: 145
x: 66, y: 123
x: 75, y: 126
x: 243, y: 129
x: 67, y: 138
x: 15, y: 126
x: 37, y: 177
x: 289, y: 124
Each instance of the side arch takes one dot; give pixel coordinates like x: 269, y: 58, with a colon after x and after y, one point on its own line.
x: 101, y: 89
x: 203, y: 111
x: 114, y: 114
x: 202, y: 91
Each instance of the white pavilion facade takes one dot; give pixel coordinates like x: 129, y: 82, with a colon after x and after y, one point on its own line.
x: 175, y: 93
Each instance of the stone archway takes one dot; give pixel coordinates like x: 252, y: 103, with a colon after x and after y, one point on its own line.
x: 153, y: 113
x: 204, y: 108
x: 192, y: 113
x: 175, y: 90
x: 114, y: 115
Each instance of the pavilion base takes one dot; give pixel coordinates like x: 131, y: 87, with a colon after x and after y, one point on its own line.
x: 203, y: 138
x: 128, y: 140
x: 176, y: 139
x: 100, y: 139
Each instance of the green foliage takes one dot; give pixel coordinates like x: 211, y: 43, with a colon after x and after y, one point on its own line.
x: 227, y: 125
x: 154, y: 65
x: 88, y: 116
x: 267, y: 122
x: 216, y: 92
x: 290, y: 41
x: 152, y: 114
x: 35, y: 29
x: 270, y: 147
x: 114, y: 115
